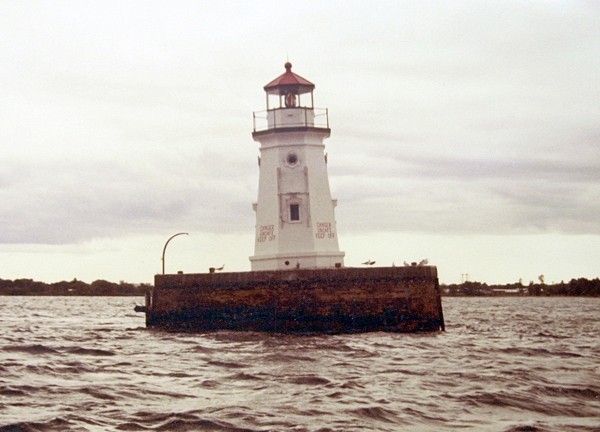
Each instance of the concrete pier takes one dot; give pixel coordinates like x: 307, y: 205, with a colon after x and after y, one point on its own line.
x: 338, y: 300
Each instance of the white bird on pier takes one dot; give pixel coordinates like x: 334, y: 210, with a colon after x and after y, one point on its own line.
x: 220, y: 268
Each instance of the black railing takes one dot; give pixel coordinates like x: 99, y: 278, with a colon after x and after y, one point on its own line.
x: 272, y: 119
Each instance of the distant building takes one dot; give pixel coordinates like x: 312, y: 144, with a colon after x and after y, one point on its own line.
x: 511, y: 291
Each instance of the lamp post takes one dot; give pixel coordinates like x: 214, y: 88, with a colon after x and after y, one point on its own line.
x: 165, y: 248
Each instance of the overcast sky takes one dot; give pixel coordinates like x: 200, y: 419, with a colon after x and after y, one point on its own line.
x: 465, y: 132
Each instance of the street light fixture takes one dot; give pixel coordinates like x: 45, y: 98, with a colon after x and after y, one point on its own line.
x: 165, y: 248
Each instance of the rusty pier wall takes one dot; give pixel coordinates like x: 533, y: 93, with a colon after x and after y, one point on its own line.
x: 341, y: 300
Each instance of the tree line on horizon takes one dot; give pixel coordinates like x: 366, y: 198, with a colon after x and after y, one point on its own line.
x: 73, y: 288
x: 575, y: 287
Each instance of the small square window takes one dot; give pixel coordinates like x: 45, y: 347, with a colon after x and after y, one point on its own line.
x: 294, y: 212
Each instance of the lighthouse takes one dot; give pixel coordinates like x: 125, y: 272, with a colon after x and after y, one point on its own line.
x: 298, y: 282
x: 295, y: 219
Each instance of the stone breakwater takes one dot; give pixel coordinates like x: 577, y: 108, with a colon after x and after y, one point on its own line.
x: 338, y: 300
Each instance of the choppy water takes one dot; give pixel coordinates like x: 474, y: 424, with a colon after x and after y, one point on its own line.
x: 504, y: 364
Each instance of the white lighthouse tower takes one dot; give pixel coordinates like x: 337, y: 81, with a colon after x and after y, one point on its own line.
x: 295, y: 222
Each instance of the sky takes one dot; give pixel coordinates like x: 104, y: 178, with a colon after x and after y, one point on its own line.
x: 463, y: 132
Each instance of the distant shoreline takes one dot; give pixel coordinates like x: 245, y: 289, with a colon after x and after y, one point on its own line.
x: 574, y: 288
x: 29, y: 287
x: 100, y: 288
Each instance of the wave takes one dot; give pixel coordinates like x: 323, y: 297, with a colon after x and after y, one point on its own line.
x: 376, y: 413
x: 245, y: 377
x: 54, y: 425
x: 227, y: 365
x: 525, y: 428
x: 585, y: 393
x: 11, y: 391
x: 89, y: 351
x: 284, y: 357
x: 311, y: 380
x: 539, y: 400
x: 526, y: 351
x: 35, y: 349
x: 539, y: 426
x: 39, y: 349
x: 187, y: 421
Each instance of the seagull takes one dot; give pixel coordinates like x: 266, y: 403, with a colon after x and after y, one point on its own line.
x: 406, y: 264
x: 369, y: 262
x: 424, y: 262
x: 220, y: 268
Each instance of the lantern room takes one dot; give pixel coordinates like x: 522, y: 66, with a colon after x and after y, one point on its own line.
x: 289, y: 90
x: 290, y: 104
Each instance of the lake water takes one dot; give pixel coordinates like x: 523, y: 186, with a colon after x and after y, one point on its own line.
x: 504, y: 364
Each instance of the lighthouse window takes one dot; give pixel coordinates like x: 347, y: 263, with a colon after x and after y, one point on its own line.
x: 294, y: 212
x: 292, y: 159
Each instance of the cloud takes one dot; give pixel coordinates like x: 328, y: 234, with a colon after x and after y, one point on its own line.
x: 451, y: 118
x: 73, y: 202
x: 465, y: 195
